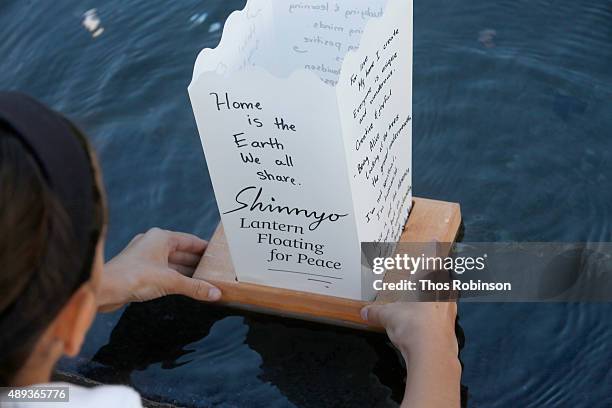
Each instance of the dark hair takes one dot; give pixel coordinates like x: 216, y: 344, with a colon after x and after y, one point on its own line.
x: 37, y: 249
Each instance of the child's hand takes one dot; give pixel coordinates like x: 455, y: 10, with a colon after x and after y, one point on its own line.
x: 153, y: 265
x: 425, y: 335
x: 418, y: 326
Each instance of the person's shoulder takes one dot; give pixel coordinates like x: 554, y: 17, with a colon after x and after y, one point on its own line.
x: 102, y: 396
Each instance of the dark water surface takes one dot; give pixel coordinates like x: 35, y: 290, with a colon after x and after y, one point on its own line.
x: 512, y: 118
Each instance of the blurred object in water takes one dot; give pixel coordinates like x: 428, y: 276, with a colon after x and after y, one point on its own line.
x: 567, y: 105
x: 486, y: 37
x: 92, y: 23
x: 214, y: 27
x: 198, y: 19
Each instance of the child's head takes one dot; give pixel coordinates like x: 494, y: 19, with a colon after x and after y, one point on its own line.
x: 51, y: 249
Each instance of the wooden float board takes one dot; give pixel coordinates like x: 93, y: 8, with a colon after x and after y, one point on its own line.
x: 429, y: 221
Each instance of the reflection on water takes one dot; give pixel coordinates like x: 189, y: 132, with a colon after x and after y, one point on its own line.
x: 189, y: 353
x: 511, y: 118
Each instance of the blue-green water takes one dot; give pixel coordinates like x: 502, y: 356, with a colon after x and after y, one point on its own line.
x: 512, y: 118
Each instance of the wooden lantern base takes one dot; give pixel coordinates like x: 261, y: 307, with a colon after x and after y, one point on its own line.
x: 429, y: 221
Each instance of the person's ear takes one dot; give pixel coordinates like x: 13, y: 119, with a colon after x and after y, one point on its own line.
x: 73, y: 322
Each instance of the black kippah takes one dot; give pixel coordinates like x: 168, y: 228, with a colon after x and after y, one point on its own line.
x: 62, y: 159
x: 67, y: 170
